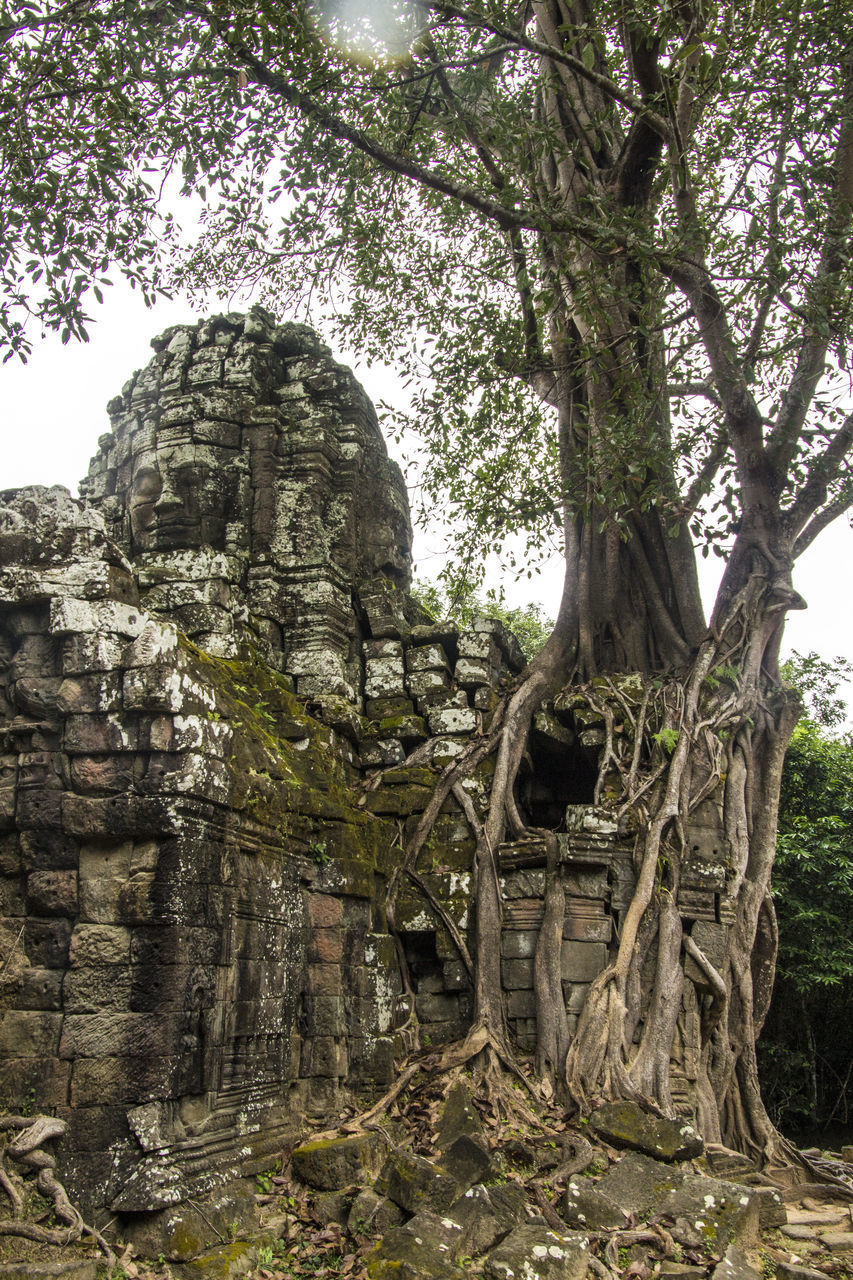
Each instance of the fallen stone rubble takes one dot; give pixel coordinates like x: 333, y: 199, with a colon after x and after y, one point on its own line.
x: 434, y: 1192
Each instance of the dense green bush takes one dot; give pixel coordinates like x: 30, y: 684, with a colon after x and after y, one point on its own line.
x: 806, y: 1048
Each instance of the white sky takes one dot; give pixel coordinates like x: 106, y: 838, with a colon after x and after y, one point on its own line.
x: 54, y: 412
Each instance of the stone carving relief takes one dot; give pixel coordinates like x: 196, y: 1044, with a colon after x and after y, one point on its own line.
x: 247, y: 480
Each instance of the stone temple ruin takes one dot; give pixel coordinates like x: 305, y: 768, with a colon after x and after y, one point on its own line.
x: 204, y: 663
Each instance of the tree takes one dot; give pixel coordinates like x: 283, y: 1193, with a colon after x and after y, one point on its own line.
x: 620, y: 236
x: 526, y: 622
x: 805, y: 1048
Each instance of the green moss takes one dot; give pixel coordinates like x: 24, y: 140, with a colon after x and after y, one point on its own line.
x: 410, y: 775
x: 292, y: 791
x: 222, y: 1262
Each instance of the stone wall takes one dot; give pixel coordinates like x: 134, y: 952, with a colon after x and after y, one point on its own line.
x: 206, y: 769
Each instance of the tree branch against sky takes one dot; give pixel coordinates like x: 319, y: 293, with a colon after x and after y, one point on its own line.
x: 617, y: 239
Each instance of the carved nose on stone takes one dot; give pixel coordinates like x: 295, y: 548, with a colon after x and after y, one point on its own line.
x: 167, y: 502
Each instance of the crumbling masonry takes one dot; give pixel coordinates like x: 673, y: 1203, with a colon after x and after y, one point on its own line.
x: 204, y: 665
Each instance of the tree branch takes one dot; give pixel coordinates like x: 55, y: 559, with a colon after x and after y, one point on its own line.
x: 834, y: 256
x: 771, y: 258
x: 675, y: 389
x: 624, y: 97
x: 843, y: 502
x: 744, y: 420
x: 705, y: 477
x: 339, y: 128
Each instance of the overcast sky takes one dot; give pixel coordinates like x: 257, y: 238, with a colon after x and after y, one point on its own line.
x: 54, y: 412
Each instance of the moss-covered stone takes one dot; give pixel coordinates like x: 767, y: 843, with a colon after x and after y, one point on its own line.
x: 399, y: 801
x: 416, y: 1184
x: 334, y: 1163
x: 225, y: 1262
x: 626, y: 1125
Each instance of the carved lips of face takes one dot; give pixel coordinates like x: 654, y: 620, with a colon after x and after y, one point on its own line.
x: 178, y: 501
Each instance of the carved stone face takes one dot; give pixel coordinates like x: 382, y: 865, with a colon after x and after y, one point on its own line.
x: 388, y: 534
x: 182, y: 497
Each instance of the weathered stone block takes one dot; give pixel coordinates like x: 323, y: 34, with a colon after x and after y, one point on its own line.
x: 467, y: 1160
x: 479, y: 645
x: 373, y: 649
x: 325, y: 980
x: 508, y: 1203
x: 105, y: 859
x: 69, y: 616
x: 48, y: 851
x: 437, y: 1007
x: 324, y: 910
x: 323, y: 1056
x: 29, y: 1034
x: 333, y: 1163
x: 458, y: 1116
x: 168, y: 988
x: 428, y: 657
x: 185, y: 1231
x: 470, y: 673
x: 326, y: 946
x: 384, y: 678
x: 158, y: 945
x: 46, y: 943
x: 371, y: 1213
x: 421, y: 683
x: 52, y: 893
x: 452, y: 720
x: 120, y: 815
x: 326, y: 1015
x: 518, y: 944
x: 100, y: 775
x: 588, y: 929
x: 41, y: 989
x: 100, y: 1035
x: 582, y: 961
x: 517, y: 975
x: 108, y: 1081
x: 88, y: 990
x: 98, y: 734
x: 87, y: 693
x: 38, y: 809
x: 90, y: 652
x: 416, y: 1184
x: 735, y: 1266
x: 381, y: 753
x: 43, y: 1080
x: 406, y: 728
x: 455, y: 976
x: 538, y: 1253
x: 625, y: 1124
x: 521, y: 1004
x: 712, y: 1214
x: 380, y: 709
x: 771, y: 1208
x: 638, y: 1184
x: 398, y: 801
x: 402, y: 1256
x: 8, y: 800
x: 588, y: 1209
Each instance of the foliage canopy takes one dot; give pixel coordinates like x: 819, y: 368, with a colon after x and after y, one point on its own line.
x: 650, y: 202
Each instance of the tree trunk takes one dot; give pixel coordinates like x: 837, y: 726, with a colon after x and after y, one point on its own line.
x: 711, y: 731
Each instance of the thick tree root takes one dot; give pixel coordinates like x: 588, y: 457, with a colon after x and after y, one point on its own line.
x: 26, y: 1150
